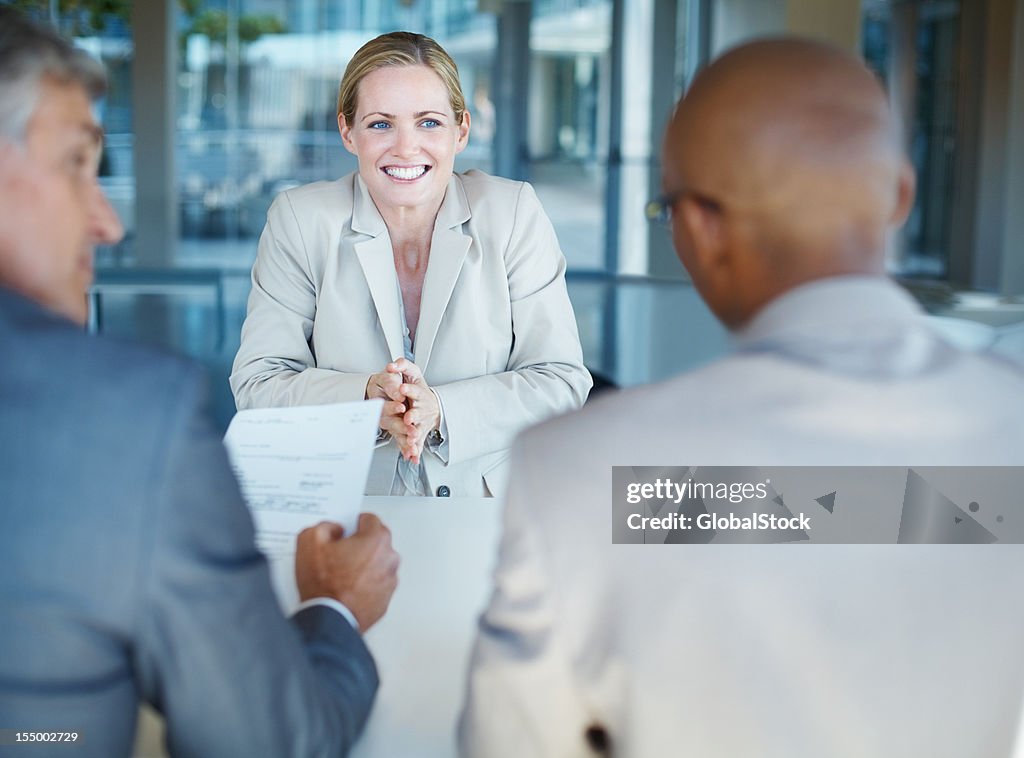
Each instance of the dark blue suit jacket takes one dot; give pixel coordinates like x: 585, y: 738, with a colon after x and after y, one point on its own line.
x: 128, y: 569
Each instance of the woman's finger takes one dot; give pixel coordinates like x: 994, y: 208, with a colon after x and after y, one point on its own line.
x: 410, y: 371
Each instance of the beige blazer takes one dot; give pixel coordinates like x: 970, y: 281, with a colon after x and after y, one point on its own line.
x: 795, y: 651
x: 496, y: 337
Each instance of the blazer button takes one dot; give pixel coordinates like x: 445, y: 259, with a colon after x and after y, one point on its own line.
x: 444, y: 491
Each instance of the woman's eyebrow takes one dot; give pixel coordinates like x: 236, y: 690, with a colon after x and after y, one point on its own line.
x: 420, y: 114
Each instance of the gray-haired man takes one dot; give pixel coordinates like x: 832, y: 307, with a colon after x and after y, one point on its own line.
x: 128, y: 570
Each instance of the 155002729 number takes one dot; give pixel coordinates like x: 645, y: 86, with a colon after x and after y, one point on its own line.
x: 45, y: 737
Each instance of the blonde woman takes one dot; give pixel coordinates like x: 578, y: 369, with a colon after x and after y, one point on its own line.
x: 442, y: 293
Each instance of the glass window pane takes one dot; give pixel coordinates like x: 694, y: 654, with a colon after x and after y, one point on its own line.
x: 568, y: 137
x: 257, y: 94
x: 913, y: 47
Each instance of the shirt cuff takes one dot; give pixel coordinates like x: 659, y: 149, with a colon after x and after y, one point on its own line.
x: 440, y: 450
x: 330, y: 602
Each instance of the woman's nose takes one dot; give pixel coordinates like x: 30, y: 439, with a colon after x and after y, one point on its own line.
x: 406, y: 142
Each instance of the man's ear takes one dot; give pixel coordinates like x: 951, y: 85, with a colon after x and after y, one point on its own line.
x: 705, y: 228
x: 712, y: 257
x: 905, y: 189
x: 346, y: 134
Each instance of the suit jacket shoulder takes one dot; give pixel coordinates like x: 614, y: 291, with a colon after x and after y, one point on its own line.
x: 336, y: 194
x: 87, y: 376
x: 497, y: 204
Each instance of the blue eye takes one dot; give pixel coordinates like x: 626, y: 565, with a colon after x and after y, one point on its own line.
x: 380, y: 125
x: 430, y: 123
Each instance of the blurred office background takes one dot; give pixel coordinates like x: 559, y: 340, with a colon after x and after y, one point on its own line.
x: 217, y: 105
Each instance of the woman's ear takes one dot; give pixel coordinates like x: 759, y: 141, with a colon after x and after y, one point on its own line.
x: 463, y: 133
x: 346, y: 134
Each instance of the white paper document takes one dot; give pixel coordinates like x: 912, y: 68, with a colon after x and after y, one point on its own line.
x: 297, y: 467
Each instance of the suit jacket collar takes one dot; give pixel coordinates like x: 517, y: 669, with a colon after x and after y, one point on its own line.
x: 448, y: 248
x: 366, y: 219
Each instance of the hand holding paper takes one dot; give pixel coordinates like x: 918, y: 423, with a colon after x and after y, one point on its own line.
x: 299, y: 466
x: 360, y: 571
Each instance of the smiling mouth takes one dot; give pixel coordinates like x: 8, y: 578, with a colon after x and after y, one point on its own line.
x: 405, y: 173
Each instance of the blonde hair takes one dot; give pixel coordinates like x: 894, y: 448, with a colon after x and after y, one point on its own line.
x: 399, y: 49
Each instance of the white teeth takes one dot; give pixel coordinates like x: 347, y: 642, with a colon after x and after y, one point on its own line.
x: 401, y: 172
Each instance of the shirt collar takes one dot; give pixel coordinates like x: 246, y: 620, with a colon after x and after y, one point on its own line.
x: 836, y: 305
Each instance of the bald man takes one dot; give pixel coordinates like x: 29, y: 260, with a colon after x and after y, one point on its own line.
x: 783, y: 176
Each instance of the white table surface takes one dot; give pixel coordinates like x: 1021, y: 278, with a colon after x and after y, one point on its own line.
x: 422, y: 645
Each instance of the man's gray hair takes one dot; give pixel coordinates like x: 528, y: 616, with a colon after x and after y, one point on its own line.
x: 30, y: 53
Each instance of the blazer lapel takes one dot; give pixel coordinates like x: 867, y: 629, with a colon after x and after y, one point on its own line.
x: 448, y: 248
x: 378, y: 263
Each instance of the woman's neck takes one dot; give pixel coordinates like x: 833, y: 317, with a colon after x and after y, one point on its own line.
x: 410, y: 227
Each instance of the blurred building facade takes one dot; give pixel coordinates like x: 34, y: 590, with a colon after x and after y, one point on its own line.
x: 217, y: 105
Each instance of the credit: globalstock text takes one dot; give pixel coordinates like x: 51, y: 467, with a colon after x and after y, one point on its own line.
x: 720, y: 522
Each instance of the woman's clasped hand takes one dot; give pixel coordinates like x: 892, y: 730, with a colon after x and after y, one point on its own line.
x: 411, y: 409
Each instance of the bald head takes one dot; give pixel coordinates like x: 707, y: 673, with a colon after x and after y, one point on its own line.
x: 791, y: 165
